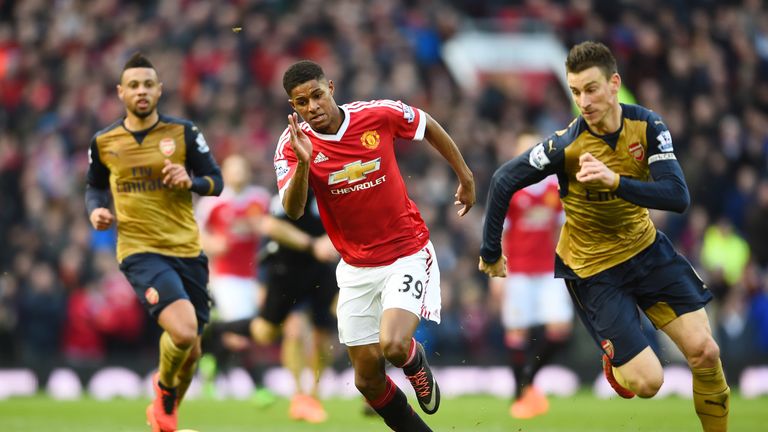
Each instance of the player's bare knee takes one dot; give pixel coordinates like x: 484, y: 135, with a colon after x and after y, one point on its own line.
x: 705, y: 355
x: 184, y: 336
x: 647, y: 388
x: 647, y: 384
x: 558, y: 332
x: 395, y: 350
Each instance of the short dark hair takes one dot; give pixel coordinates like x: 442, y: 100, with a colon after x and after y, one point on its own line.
x: 138, y: 60
x: 588, y: 54
x: 301, y: 72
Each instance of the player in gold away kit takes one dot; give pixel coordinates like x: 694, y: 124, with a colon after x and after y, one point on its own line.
x: 150, y: 164
x: 613, y: 163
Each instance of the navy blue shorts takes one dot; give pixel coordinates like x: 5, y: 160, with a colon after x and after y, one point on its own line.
x: 658, y: 281
x: 159, y: 280
x: 288, y: 288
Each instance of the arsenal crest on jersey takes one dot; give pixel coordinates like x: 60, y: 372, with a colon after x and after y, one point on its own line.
x: 370, y: 139
x: 637, y: 151
x: 167, y: 146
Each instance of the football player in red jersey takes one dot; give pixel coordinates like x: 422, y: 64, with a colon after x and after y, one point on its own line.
x: 388, y: 276
x: 536, y: 310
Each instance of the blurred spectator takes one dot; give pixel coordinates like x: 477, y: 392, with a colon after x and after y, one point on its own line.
x: 8, y: 318
x: 724, y: 254
x: 756, y: 230
x: 41, y: 310
x: 758, y: 315
x: 101, y: 314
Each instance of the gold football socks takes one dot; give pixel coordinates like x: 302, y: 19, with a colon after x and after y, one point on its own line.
x: 184, y: 378
x: 711, y: 397
x: 171, y: 359
x: 293, y: 358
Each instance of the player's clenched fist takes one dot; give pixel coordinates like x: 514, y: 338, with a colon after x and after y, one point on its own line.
x: 593, y: 172
x: 496, y: 269
x: 101, y: 218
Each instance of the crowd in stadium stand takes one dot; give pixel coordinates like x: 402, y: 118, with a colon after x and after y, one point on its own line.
x: 703, y: 65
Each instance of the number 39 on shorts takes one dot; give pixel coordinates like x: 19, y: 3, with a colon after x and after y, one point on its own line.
x: 414, y: 287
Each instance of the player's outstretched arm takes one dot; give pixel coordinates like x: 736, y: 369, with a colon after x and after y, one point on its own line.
x: 284, y: 233
x: 439, y: 139
x: 288, y: 235
x: 295, y: 196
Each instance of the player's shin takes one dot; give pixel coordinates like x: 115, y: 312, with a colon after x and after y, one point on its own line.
x: 172, y: 358
x: 184, y: 378
x: 319, y: 358
x: 393, y: 407
x: 518, y: 355
x: 545, y: 346
x: 711, y: 397
x: 293, y: 358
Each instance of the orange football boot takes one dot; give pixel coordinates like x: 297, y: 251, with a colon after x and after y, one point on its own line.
x: 164, y: 408
x: 532, y: 403
x: 307, y: 408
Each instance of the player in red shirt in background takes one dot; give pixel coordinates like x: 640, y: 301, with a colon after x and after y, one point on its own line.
x: 231, y: 233
x: 388, y: 276
x: 233, y: 227
x: 536, y: 309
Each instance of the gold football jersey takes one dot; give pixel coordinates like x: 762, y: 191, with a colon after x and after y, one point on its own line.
x: 150, y: 216
x: 601, y: 229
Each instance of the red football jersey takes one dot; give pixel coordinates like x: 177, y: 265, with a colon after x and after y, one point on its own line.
x: 228, y: 215
x: 531, y: 227
x: 360, y: 193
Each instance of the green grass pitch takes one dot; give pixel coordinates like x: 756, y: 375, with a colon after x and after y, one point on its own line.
x: 582, y: 412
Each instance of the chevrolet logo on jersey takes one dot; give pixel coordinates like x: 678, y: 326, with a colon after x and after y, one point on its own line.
x: 354, y: 171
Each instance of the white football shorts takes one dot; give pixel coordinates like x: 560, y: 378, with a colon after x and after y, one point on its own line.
x: 411, y: 283
x: 531, y: 300
x: 235, y: 297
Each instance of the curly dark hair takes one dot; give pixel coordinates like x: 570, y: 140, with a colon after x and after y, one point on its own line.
x: 301, y: 72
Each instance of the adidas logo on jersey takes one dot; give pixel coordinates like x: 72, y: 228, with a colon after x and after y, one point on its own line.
x: 320, y: 157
